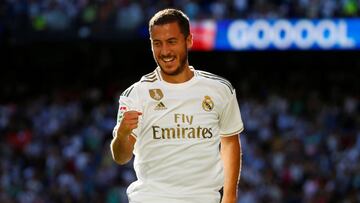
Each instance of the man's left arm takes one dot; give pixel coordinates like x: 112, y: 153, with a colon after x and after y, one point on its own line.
x: 231, y: 155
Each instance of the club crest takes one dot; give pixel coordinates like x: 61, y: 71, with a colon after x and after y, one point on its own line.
x: 156, y: 94
x: 207, y: 103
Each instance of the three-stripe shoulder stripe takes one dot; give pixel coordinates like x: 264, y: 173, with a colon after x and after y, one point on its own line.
x: 151, y: 77
x: 127, y: 92
x: 148, y: 80
x: 218, y: 78
x: 150, y: 74
x: 158, y: 73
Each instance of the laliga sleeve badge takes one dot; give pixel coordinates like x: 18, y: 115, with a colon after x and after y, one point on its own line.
x: 122, y: 110
x: 207, y: 103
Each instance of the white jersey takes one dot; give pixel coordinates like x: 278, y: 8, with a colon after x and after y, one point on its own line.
x: 177, y: 157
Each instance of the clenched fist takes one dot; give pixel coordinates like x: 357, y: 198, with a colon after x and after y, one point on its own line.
x: 129, y: 122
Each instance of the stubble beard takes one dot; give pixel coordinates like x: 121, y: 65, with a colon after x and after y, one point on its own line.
x: 179, y: 69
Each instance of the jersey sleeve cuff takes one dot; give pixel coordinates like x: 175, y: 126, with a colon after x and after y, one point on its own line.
x: 232, y: 133
x: 134, y: 135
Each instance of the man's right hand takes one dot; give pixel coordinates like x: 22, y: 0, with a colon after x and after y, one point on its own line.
x: 129, y: 122
x: 122, y: 145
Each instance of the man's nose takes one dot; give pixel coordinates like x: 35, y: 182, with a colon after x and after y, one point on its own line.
x: 165, y: 50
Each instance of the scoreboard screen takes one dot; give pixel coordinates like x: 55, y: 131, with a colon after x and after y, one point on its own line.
x: 280, y: 34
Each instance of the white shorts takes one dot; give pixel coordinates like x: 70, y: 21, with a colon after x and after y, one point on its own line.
x: 147, y: 198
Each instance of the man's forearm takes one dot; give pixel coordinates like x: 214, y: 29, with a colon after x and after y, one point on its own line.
x: 231, y: 156
x: 121, y: 148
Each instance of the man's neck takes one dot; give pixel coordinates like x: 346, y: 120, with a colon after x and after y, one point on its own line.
x: 182, y: 77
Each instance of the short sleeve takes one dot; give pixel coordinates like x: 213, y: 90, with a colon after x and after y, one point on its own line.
x: 230, y: 119
x: 128, y: 101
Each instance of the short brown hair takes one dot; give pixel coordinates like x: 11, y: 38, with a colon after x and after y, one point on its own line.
x: 171, y: 15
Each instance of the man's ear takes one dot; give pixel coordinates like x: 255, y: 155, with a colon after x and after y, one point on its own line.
x: 189, y: 41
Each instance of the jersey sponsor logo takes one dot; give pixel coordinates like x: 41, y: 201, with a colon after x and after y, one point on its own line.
x: 183, y: 128
x: 156, y: 94
x: 160, y: 106
x: 207, y: 103
x: 180, y: 132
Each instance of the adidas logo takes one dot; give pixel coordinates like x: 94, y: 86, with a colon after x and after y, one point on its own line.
x: 160, y: 106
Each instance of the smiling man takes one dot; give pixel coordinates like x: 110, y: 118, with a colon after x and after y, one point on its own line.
x: 182, y: 125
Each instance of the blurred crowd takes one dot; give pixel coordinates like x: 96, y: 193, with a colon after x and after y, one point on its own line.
x: 89, y: 16
x: 55, y: 148
x: 301, y: 150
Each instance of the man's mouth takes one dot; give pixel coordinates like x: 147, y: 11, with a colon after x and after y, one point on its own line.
x: 168, y: 59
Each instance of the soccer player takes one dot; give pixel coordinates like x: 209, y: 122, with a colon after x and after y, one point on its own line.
x: 182, y: 125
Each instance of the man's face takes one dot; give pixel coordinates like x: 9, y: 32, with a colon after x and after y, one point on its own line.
x: 170, y: 47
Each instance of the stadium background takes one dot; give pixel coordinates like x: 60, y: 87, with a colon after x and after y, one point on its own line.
x: 64, y: 64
